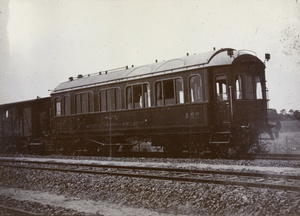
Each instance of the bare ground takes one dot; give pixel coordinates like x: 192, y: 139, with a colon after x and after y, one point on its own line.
x: 74, y: 203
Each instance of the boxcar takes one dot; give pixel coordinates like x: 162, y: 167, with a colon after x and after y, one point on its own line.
x: 23, y: 124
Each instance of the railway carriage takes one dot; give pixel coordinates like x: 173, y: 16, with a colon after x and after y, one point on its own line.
x: 24, y: 124
x: 212, y: 101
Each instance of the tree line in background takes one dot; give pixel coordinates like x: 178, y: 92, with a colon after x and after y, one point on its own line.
x: 284, y: 115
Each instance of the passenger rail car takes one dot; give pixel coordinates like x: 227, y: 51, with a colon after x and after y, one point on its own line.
x: 23, y: 124
x: 213, y: 101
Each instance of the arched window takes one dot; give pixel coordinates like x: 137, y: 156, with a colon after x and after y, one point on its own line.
x: 179, y: 91
x: 249, y: 87
x: 221, y: 87
x: 57, y: 107
x: 129, y: 104
x: 169, y: 92
x: 110, y: 99
x: 84, y: 103
x: 238, y: 87
x: 138, y: 96
x: 196, y: 91
x: 158, y: 90
x: 67, y: 105
x: 259, y: 93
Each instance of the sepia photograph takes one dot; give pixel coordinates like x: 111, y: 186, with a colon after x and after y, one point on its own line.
x: 149, y: 108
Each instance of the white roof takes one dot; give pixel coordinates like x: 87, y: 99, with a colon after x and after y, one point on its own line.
x: 212, y: 58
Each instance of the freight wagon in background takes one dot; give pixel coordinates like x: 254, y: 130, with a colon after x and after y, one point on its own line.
x: 215, y: 101
x: 24, y: 125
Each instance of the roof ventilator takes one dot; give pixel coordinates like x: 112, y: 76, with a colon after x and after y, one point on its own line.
x: 267, y: 56
x: 230, y: 52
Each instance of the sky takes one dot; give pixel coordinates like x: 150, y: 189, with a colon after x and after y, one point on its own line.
x: 43, y: 42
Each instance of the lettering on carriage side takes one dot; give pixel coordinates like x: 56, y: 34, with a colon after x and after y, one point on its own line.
x: 112, y: 121
x: 186, y: 116
x: 110, y: 117
x: 192, y: 116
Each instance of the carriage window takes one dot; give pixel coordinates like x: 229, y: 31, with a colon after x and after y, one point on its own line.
x: 238, y: 87
x: 158, y: 90
x: 57, y: 107
x: 196, y: 93
x: 84, y: 103
x: 6, y: 114
x: 146, y: 95
x: 67, y: 105
x: 129, y: 104
x: 138, y: 96
x: 103, y: 101
x: 179, y: 91
x: 169, y: 92
x: 78, y: 103
x: 221, y: 87
x: 249, y: 87
x: 110, y: 100
x: 258, y: 88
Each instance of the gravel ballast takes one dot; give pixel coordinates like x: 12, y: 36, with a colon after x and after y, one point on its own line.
x: 163, y: 197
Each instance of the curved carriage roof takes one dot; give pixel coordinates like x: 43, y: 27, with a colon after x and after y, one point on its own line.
x: 212, y: 58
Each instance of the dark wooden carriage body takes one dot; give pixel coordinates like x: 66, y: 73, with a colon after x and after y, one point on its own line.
x: 206, y: 100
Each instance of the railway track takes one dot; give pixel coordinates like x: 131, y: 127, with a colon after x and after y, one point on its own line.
x: 245, y: 179
x: 277, y: 156
x: 185, y: 155
x: 204, y: 156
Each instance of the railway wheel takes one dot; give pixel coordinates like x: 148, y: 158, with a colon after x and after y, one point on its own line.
x: 198, y: 145
x: 244, y: 139
x: 227, y: 151
x: 174, y: 145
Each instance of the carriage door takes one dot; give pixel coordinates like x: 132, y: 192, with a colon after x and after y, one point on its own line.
x: 222, y: 100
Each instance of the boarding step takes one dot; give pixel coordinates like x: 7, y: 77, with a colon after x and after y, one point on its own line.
x: 222, y: 137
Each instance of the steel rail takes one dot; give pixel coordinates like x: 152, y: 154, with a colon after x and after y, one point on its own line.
x: 186, y: 155
x: 277, y: 156
x: 295, y: 157
x: 179, y: 170
x: 119, y: 171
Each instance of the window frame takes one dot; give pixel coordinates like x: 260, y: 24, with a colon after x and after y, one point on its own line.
x: 5, y: 114
x: 220, y: 96
x: 65, y: 107
x: 118, y: 99
x: 176, y: 93
x: 90, y: 104
x: 249, y: 95
x: 57, y: 107
x: 201, y: 87
x: 144, y: 102
x: 259, y: 90
x: 241, y: 87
